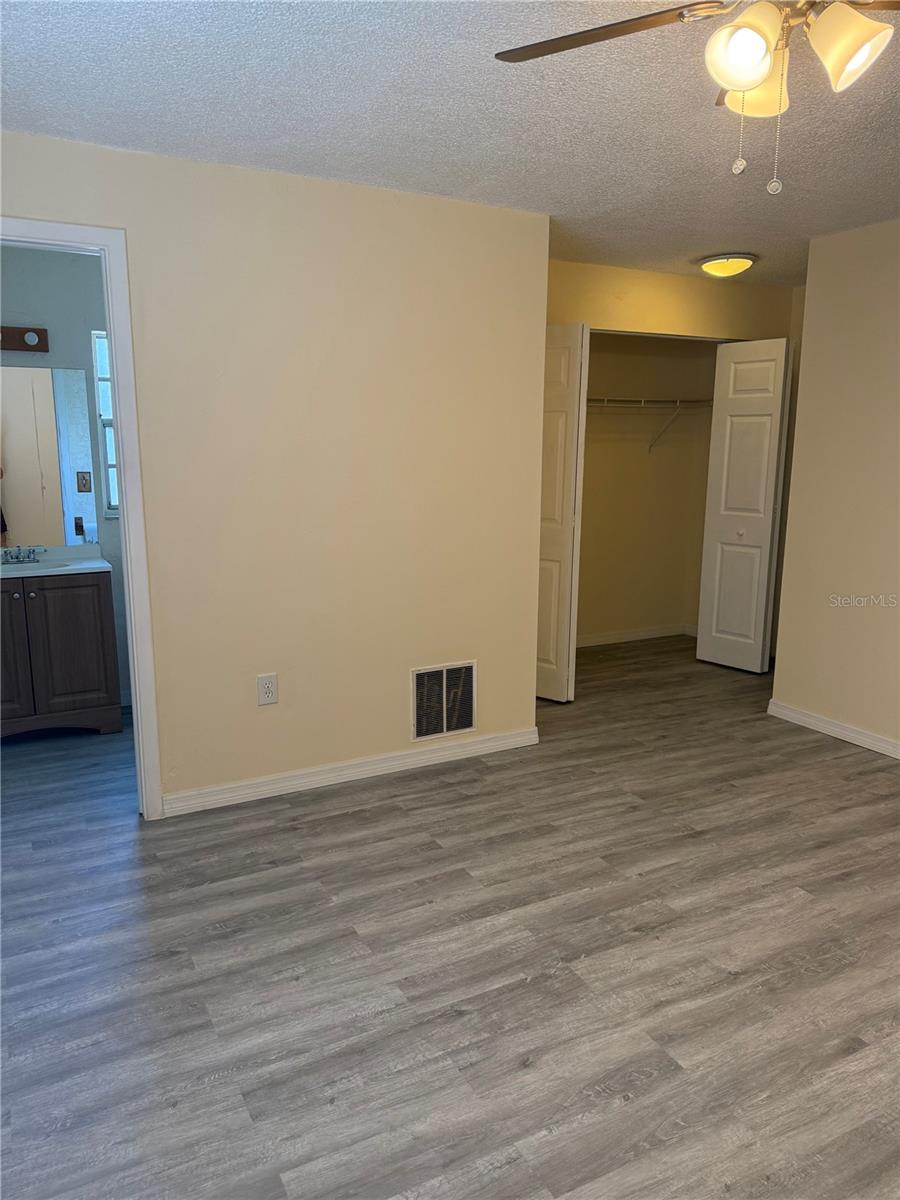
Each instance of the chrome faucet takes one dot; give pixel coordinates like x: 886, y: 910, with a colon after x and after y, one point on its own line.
x: 22, y: 554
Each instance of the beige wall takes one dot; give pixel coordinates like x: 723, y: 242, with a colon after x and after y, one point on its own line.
x: 642, y: 513
x: 616, y: 298
x: 339, y: 394
x: 843, y: 526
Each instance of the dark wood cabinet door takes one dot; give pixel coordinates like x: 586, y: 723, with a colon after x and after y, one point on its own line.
x: 16, y: 695
x: 72, y: 636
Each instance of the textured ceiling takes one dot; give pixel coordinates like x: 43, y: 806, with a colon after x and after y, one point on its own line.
x: 620, y: 143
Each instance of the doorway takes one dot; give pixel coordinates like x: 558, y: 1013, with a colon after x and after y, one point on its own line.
x: 78, y: 662
x: 662, y: 469
x: 646, y: 450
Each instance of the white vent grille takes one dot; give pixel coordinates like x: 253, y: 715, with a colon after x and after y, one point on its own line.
x: 443, y: 699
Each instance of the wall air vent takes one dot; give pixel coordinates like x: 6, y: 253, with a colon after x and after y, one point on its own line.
x: 443, y: 699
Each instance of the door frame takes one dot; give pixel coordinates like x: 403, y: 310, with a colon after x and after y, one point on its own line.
x: 574, y: 499
x: 591, y: 329
x: 110, y: 246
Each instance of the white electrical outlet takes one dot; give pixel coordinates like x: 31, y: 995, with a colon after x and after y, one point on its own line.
x: 267, y: 689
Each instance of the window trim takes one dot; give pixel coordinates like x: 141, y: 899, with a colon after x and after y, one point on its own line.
x: 110, y: 510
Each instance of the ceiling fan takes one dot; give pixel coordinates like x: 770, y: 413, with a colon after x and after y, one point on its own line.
x: 740, y: 55
x: 748, y: 57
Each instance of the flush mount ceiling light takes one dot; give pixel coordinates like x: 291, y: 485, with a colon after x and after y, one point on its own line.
x: 723, y: 266
x: 748, y: 58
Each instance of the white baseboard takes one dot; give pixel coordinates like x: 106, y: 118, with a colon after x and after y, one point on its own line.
x: 837, y: 729
x: 636, y: 635
x: 267, y: 786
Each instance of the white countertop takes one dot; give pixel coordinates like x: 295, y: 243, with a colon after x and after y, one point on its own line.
x: 58, y: 560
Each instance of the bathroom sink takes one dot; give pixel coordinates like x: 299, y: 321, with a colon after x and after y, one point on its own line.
x: 51, y: 565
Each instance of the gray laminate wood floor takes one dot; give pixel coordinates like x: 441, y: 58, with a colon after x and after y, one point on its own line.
x: 653, y: 958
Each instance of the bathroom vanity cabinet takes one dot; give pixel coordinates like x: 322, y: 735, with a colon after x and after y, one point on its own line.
x: 59, y: 664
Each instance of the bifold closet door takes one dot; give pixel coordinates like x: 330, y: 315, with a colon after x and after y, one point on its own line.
x: 565, y: 406
x: 746, y: 459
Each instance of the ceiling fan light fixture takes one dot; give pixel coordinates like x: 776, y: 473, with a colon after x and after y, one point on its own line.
x: 739, y: 56
x: 847, y: 43
x: 763, y: 101
x: 724, y: 266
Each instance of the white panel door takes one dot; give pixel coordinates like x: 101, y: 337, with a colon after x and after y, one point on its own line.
x: 565, y: 406
x: 742, y: 500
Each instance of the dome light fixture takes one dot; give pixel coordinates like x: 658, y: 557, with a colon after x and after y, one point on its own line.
x: 846, y: 43
x: 724, y: 266
x: 739, y: 56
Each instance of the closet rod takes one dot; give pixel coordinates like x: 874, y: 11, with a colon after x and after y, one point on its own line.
x: 623, y: 402
x: 674, y: 407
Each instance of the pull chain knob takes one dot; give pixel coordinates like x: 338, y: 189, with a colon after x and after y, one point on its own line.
x: 739, y: 166
x: 773, y: 187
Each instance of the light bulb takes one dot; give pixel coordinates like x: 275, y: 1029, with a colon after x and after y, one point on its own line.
x: 739, y: 55
x: 738, y: 59
x: 858, y: 58
x: 745, y: 50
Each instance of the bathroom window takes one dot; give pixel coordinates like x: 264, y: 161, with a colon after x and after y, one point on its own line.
x: 104, y: 385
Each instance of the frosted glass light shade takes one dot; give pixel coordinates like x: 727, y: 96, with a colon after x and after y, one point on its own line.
x: 847, y: 43
x: 762, y: 101
x: 723, y: 266
x: 739, y: 56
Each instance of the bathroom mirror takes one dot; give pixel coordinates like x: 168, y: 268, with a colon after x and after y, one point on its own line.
x: 47, y: 491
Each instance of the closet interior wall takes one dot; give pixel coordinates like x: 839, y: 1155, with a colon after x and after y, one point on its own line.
x: 642, y: 514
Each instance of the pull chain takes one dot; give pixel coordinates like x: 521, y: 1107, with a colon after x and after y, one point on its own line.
x: 740, y: 163
x: 773, y: 187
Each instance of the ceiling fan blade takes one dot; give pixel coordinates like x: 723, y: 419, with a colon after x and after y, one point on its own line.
x: 720, y: 99
x: 877, y: 5
x: 604, y: 33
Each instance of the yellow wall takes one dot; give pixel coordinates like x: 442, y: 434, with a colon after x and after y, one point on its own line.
x: 642, y: 513
x: 616, y: 298
x: 843, y: 526
x: 798, y: 300
x: 339, y: 393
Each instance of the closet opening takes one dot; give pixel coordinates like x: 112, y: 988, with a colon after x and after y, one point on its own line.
x: 661, y: 496
x: 646, y: 455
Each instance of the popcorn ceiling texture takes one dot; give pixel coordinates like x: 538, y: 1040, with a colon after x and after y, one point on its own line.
x: 620, y: 143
